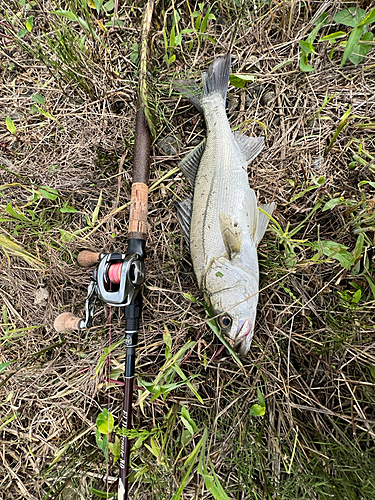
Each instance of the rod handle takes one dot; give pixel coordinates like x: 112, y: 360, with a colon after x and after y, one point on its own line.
x: 86, y: 258
x: 67, y: 322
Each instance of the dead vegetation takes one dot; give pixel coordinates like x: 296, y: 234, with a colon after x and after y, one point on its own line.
x: 65, y: 176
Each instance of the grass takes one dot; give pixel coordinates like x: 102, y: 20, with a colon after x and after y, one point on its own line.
x: 66, y: 144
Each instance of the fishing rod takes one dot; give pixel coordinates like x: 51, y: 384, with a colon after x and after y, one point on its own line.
x: 117, y: 280
x: 118, y: 277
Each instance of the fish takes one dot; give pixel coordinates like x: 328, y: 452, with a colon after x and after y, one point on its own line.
x: 220, y: 218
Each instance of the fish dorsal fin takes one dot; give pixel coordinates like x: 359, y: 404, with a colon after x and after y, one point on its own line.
x: 249, y: 146
x: 191, y: 90
x: 263, y: 221
x: 184, y: 209
x: 190, y: 163
x: 231, y: 234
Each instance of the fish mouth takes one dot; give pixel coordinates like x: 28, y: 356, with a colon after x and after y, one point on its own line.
x: 244, y: 335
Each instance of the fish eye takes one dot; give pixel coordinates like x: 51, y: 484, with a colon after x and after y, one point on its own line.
x: 225, y: 321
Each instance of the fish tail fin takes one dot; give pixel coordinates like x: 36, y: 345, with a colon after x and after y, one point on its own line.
x: 215, y: 79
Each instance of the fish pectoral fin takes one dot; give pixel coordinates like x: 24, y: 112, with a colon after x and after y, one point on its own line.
x: 249, y: 146
x: 184, y: 209
x: 231, y: 234
x: 263, y: 221
x: 191, y: 90
x: 190, y: 163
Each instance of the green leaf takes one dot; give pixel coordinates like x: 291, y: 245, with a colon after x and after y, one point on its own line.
x: 350, y: 17
x: 189, y: 296
x: 371, y: 284
x: 34, y: 109
x: 343, y: 123
x: 190, y: 458
x: 98, y: 4
x: 361, y: 50
x: 208, y: 16
x: 333, y: 36
x: 187, y: 425
x: 307, y: 47
x: 109, y: 6
x: 22, y: 32
x: 29, y: 23
x: 10, y: 125
x: 115, y: 449
x: 101, y: 494
x: 333, y: 203
x: 105, y: 422
x: 336, y: 251
x: 39, y: 99
x: 357, y: 296
x: 303, y: 63
x: 302, y: 193
x: 187, y: 381
x: 318, y: 24
x: 46, y: 114
x: 47, y: 192
x: 172, y: 37
x: 239, y: 80
x: 68, y: 210
x: 354, y: 38
x: 134, y: 55
x: 65, y: 13
x: 4, y: 366
x: 95, y: 214
x: 257, y: 410
x: 186, y: 418
x: 370, y: 18
x: 197, y: 21
x: 261, y: 398
x: 219, y: 274
x: 359, y: 246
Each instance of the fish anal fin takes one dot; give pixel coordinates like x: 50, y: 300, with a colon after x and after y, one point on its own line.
x: 231, y: 234
x: 190, y: 163
x: 249, y: 146
x: 263, y: 221
x: 184, y: 209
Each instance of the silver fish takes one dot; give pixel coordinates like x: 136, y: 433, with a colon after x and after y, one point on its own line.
x: 221, y: 220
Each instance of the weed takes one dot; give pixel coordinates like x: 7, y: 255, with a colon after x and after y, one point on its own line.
x: 356, y: 48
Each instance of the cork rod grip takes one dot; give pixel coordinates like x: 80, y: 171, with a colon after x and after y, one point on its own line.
x: 87, y: 258
x: 67, y: 322
x: 138, y: 211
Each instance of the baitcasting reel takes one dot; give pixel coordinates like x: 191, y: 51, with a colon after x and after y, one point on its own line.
x: 116, y: 281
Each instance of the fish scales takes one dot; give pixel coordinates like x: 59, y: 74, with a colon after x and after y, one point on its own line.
x: 226, y: 225
x: 217, y: 190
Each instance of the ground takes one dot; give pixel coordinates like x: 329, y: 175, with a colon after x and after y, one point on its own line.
x: 293, y: 419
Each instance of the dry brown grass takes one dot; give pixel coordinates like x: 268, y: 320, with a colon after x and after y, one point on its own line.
x: 313, y: 357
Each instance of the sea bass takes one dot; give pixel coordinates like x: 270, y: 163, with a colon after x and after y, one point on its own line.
x: 221, y: 219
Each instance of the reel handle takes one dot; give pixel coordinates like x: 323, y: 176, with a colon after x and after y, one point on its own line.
x: 86, y: 258
x: 67, y: 322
